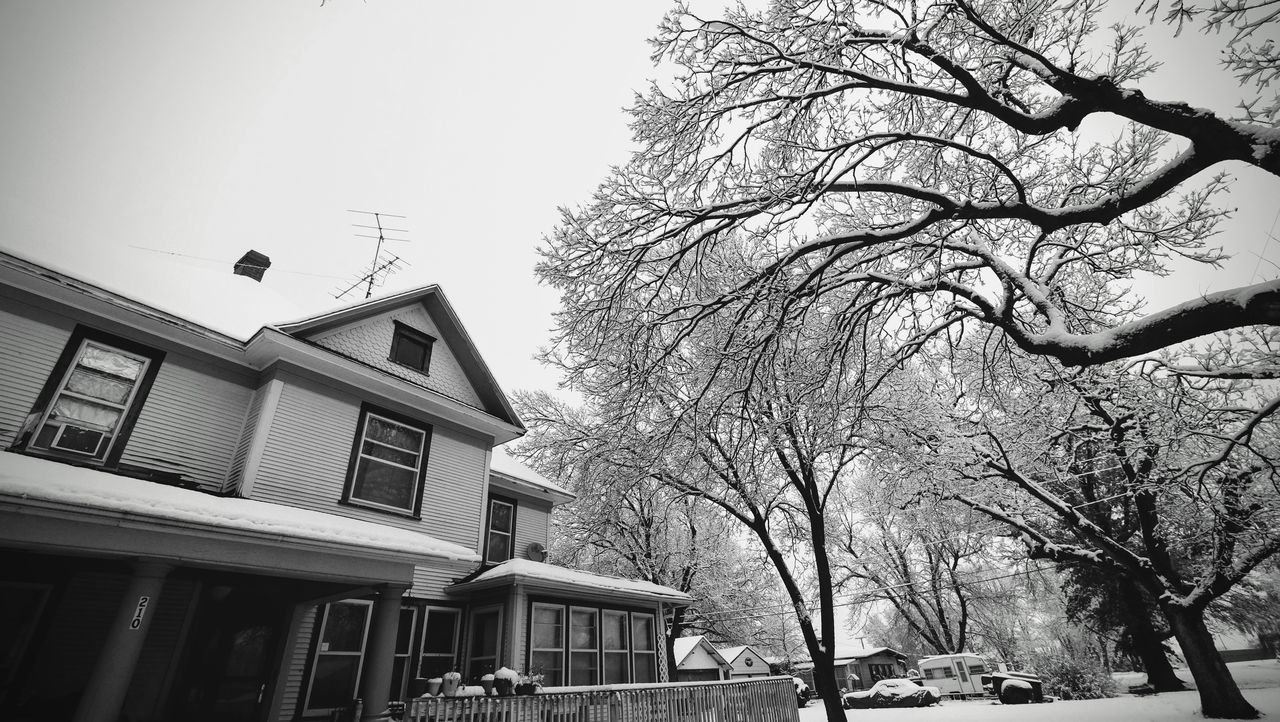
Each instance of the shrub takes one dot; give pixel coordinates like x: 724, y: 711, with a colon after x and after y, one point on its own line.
x: 1072, y: 673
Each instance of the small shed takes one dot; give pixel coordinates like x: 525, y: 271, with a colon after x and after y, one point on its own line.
x: 745, y: 662
x: 698, y: 661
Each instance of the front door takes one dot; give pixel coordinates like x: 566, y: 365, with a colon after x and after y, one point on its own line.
x: 231, y: 656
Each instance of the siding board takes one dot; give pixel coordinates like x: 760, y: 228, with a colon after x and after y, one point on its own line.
x: 30, y: 342
x: 190, y: 423
x: 308, y: 450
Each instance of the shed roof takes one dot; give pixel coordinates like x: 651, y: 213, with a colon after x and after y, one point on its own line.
x: 572, y: 581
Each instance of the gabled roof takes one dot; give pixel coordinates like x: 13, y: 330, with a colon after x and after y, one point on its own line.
x: 450, y: 326
x: 682, y: 647
x: 732, y: 653
x: 241, y: 327
x: 549, y: 577
x: 516, y: 474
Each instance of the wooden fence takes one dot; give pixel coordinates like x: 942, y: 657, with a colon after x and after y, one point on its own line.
x: 761, y: 700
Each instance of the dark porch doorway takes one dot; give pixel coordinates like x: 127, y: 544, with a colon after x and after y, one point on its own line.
x: 232, y: 654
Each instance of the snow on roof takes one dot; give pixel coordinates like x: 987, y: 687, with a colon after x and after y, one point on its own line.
x: 505, y: 464
x: 682, y: 646
x: 208, y: 294
x: 51, y: 482
x: 525, y: 570
x: 732, y: 653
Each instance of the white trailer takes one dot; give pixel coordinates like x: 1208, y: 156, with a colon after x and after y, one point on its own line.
x: 957, y: 675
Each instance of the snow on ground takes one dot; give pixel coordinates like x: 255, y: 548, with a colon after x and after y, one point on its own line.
x: 1260, y: 681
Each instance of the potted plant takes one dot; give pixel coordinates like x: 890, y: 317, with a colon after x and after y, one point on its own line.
x: 487, y: 682
x: 449, y: 684
x: 529, y: 684
x: 504, y: 681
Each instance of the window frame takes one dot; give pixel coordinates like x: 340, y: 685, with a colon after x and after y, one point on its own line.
x: 458, y: 619
x: 404, y: 332
x: 652, y: 653
x: 647, y: 658
x: 471, y: 634
x: 406, y: 657
x: 559, y: 649
x: 489, y: 531
x: 321, y: 625
x: 593, y: 651
x: 353, y: 465
x: 624, y: 651
x: 60, y: 375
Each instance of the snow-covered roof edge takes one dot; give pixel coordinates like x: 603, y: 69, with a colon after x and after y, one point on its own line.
x: 682, y: 647
x: 31, y: 481
x: 526, y: 571
x: 508, y: 466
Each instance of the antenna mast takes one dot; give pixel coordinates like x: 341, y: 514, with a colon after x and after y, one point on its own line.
x: 382, y: 265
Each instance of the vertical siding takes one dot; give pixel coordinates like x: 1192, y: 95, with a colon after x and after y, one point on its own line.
x: 296, y: 661
x: 370, y: 342
x: 234, y: 475
x: 308, y: 450
x: 191, y: 422
x: 30, y: 342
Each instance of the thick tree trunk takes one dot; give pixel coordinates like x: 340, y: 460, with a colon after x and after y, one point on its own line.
x: 1220, y: 697
x: 1147, y: 642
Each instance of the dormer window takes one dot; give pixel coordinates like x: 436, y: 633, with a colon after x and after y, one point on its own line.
x: 411, y: 347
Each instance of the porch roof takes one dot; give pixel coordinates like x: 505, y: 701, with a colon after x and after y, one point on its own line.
x: 103, y: 513
x: 551, y: 578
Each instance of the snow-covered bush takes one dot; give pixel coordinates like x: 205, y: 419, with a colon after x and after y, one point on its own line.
x: 1073, y: 673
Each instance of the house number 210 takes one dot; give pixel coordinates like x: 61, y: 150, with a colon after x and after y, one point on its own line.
x: 139, y: 612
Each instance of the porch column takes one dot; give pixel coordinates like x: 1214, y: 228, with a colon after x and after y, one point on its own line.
x: 104, y: 694
x: 381, y: 650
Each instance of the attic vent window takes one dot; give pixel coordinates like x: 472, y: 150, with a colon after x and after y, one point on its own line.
x: 412, y: 348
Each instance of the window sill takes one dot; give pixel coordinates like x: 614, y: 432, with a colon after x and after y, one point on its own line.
x: 167, y: 478
x: 403, y: 513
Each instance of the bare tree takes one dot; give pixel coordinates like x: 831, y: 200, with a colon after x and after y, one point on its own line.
x: 917, y: 165
x: 626, y: 522
x: 1182, y: 475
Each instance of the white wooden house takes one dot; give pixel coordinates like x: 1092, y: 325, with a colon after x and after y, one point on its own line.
x: 246, y: 518
x: 745, y: 662
x: 697, y: 660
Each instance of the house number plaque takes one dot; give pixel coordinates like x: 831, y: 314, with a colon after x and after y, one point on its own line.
x: 139, y: 612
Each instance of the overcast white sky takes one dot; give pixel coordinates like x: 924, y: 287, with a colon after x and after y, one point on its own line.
x: 208, y: 128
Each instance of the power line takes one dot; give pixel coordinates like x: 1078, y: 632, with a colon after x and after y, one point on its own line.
x: 222, y: 260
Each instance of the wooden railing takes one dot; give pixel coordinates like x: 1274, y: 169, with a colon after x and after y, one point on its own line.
x: 761, y: 700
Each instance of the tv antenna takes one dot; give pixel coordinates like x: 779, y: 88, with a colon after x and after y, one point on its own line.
x: 383, y: 264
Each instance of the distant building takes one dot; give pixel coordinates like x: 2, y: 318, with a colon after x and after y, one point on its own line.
x: 697, y: 660
x: 860, y: 668
x: 745, y: 662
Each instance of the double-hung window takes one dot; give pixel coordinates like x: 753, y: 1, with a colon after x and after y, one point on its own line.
x: 644, y: 654
x: 576, y: 645
x: 584, y: 660
x: 335, y: 671
x: 502, y: 527
x: 439, y: 642
x: 614, y: 646
x: 486, y: 642
x: 388, y: 463
x: 89, y: 405
x: 546, y: 656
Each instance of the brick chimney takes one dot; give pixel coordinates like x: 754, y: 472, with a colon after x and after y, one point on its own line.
x: 253, y: 265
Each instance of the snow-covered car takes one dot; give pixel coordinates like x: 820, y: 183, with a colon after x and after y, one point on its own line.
x: 803, y: 693
x: 893, y: 693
